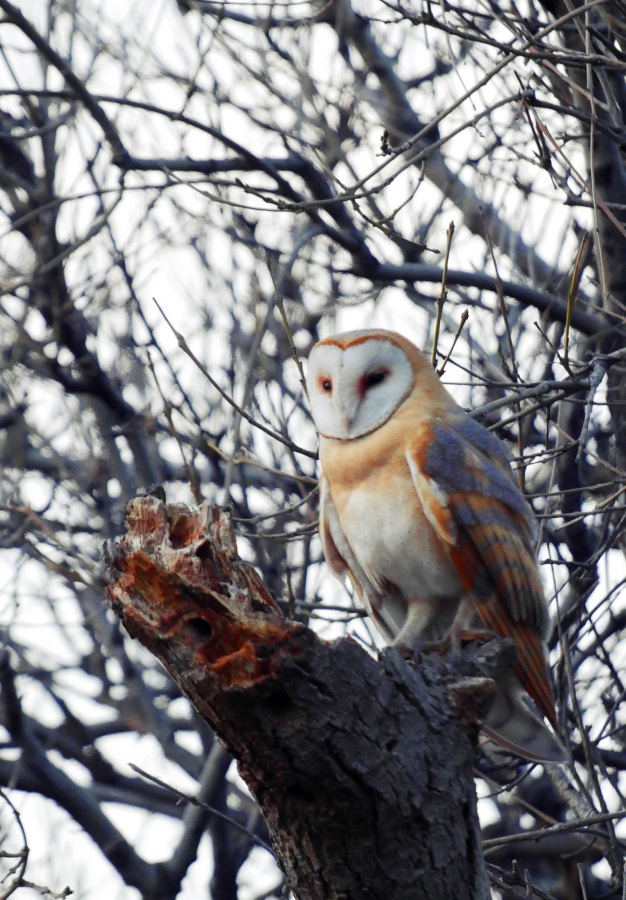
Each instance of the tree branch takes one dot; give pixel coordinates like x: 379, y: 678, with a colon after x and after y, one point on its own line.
x: 362, y: 770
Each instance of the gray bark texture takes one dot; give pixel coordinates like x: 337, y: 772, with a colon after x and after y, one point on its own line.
x: 361, y: 767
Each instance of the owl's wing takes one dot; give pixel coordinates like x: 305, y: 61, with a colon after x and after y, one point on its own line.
x: 336, y: 562
x: 463, y: 479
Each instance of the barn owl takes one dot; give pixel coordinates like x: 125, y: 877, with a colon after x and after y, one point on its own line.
x: 420, y: 509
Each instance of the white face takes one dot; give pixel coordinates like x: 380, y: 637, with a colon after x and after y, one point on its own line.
x: 354, y: 391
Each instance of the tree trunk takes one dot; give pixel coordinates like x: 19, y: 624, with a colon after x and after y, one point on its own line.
x: 360, y: 766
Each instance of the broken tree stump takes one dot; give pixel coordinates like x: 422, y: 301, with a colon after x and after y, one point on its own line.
x: 361, y: 768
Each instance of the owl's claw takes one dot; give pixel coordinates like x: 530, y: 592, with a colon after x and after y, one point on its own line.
x: 481, y: 635
x: 452, y: 643
x: 439, y: 647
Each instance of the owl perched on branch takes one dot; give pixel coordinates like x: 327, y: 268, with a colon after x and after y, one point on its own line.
x: 420, y: 509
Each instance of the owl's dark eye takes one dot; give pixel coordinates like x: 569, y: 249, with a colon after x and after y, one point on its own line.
x: 375, y: 377
x: 326, y: 385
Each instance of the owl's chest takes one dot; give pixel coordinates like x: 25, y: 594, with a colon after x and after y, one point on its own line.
x: 394, y: 543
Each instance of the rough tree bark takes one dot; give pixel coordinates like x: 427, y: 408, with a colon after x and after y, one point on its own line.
x: 360, y: 766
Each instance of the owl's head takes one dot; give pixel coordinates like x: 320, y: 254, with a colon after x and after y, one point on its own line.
x: 357, y: 380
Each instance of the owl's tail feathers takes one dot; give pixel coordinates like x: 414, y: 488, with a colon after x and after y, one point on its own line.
x: 511, y: 724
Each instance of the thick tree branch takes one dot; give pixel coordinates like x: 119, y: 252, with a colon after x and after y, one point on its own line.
x: 363, y: 772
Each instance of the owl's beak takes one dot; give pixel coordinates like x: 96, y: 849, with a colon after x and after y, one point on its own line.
x: 347, y: 406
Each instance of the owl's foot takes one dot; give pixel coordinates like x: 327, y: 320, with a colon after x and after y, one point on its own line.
x: 452, y: 646
x: 480, y: 635
x: 454, y: 641
x: 439, y: 647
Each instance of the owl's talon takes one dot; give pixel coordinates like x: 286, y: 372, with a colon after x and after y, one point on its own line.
x: 440, y: 647
x: 481, y: 635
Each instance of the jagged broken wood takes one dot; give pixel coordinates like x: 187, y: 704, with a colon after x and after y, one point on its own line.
x: 361, y: 768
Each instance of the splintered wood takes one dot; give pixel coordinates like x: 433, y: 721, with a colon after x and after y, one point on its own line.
x: 183, y: 591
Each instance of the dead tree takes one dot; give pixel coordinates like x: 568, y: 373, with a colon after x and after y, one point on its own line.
x: 360, y: 766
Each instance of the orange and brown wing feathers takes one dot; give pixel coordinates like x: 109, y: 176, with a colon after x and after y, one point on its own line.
x: 469, y: 474
x: 499, y: 571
